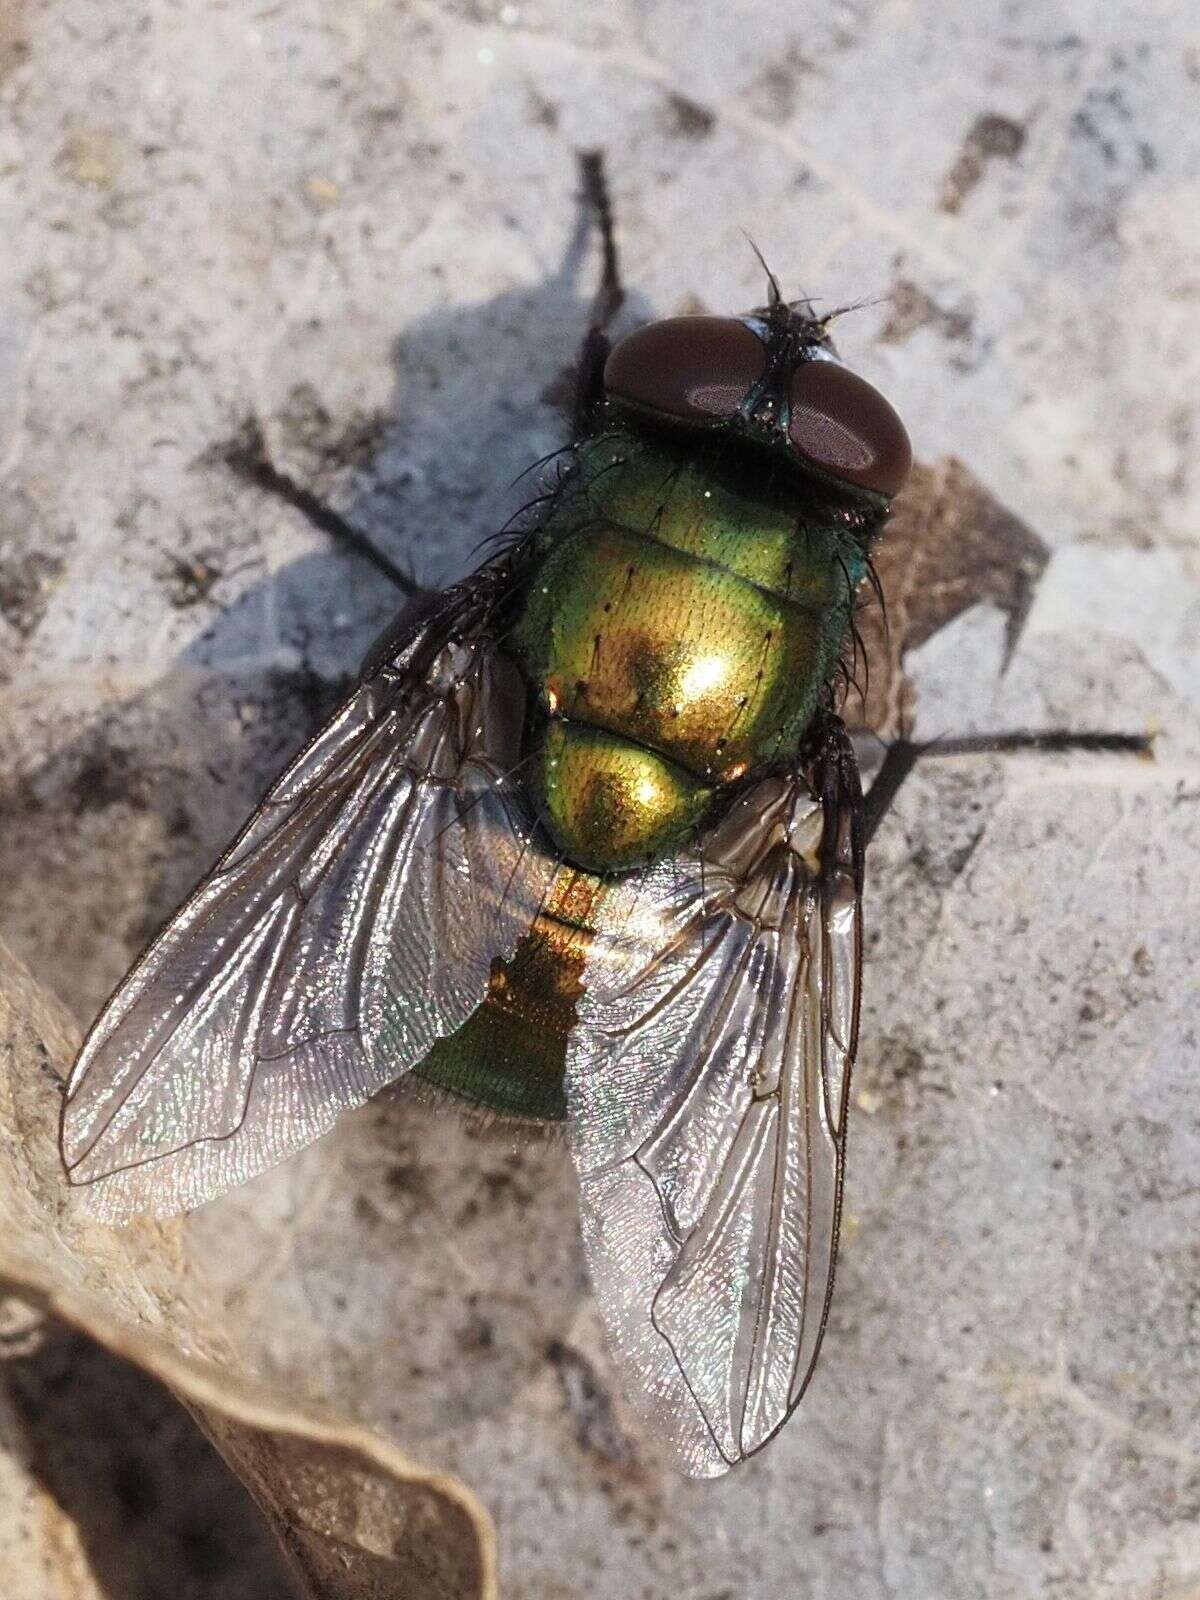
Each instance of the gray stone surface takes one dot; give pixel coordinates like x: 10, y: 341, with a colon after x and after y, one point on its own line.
x: 358, y: 225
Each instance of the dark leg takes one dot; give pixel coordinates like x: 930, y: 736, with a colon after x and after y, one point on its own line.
x: 248, y: 458
x: 589, y: 389
x: 611, y: 293
x: 903, y: 755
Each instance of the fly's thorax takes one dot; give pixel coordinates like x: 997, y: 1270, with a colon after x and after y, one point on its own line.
x: 763, y: 524
x: 690, y: 619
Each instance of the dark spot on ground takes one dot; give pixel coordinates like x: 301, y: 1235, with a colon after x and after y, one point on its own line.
x: 477, y: 1335
x: 1106, y: 123
x: 938, y: 863
x: 14, y: 42
x: 689, y: 118
x: 316, y: 447
x: 590, y: 1407
x: 108, y: 776
x: 895, y: 1074
x: 908, y: 1063
x: 309, y: 430
x: 405, y: 1177
x: 31, y: 561
x: 776, y: 88
x: 991, y: 137
x: 911, y: 308
x: 190, y: 580
x: 1059, y: 44
x: 508, y: 1184
x: 178, y: 823
x: 542, y: 112
x: 24, y: 589
x: 291, y: 695
x: 776, y: 92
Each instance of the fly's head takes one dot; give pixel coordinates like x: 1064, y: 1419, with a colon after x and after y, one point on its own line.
x: 771, y: 377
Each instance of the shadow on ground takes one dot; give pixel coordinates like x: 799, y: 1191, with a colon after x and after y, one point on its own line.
x: 158, y: 1513
x: 102, y: 838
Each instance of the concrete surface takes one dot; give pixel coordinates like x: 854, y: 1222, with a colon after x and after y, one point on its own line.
x: 358, y: 225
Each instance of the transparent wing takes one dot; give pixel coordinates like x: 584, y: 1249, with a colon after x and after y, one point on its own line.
x: 351, y: 925
x: 707, y: 1084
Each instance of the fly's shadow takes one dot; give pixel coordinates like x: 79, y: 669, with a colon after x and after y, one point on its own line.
x: 481, y: 395
x: 426, y: 1254
x: 127, y: 814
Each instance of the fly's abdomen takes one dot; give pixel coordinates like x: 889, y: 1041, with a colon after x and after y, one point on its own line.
x: 678, y: 634
x: 611, y: 803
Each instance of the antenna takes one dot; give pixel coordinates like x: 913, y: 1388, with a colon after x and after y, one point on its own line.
x: 774, y: 292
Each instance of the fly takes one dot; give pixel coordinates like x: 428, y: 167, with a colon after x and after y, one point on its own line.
x: 586, y: 844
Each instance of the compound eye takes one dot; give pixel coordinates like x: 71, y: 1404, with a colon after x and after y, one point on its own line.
x: 847, y: 429
x: 698, y: 369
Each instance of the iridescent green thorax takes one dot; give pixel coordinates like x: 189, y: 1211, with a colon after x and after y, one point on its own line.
x: 681, y: 618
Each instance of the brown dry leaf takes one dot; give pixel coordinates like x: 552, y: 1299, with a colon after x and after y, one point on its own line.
x: 948, y: 545
x: 357, y: 1519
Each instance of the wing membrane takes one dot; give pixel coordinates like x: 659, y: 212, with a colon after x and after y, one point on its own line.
x: 707, y: 1083
x: 351, y: 925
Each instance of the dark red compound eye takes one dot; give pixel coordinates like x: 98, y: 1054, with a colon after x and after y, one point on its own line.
x: 698, y: 369
x: 847, y: 429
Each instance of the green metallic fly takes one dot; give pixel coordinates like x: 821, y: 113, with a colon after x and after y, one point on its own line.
x: 586, y: 844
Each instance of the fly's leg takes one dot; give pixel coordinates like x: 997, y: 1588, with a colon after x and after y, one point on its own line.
x: 248, y: 458
x: 611, y: 293
x: 593, y: 353
x: 903, y: 755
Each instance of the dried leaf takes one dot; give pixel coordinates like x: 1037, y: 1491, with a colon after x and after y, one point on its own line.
x: 357, y: 1519
x: 948, y: 545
